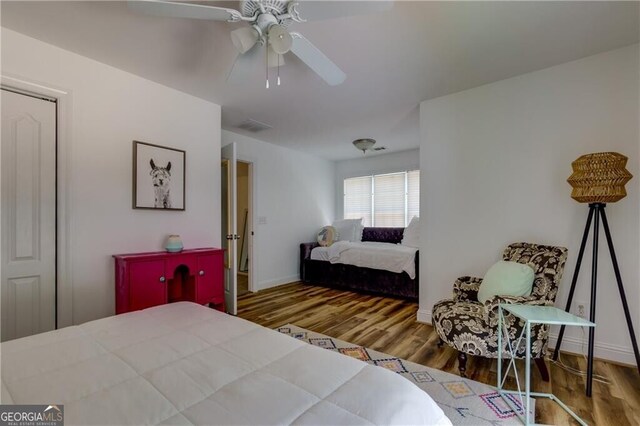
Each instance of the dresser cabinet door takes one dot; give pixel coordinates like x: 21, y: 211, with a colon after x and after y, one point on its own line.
x: 210, y: 285
x: 148, y: 284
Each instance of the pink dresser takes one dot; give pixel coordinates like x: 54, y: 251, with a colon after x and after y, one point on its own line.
x: 149, y: 279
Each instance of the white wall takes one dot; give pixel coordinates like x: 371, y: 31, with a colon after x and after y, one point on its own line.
x: 294, y: 193
x: 109, y: 109
x: 372, y: 165
x: 494, y: 163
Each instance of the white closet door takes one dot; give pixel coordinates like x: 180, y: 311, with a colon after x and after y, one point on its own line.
x: 28, y: 265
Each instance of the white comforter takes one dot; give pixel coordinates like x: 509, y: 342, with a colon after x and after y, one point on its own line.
x: 184, y: 363
x: 386, y: 256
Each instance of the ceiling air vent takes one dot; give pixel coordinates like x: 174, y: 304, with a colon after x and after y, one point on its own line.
x: 253, y: 126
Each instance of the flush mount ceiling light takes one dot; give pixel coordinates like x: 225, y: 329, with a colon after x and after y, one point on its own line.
x: 365, y: 144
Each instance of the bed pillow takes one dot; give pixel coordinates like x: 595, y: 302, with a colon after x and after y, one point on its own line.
x: 506, y: 279
x: 327, y: 236
x: 411, y: 236
x: 358, y: 231
x: 349, y: 229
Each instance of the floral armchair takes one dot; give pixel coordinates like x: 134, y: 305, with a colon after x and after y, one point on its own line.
x: 471, y: 327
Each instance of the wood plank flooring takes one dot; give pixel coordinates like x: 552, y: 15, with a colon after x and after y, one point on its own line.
x: 389, y: 325
x: 243, y: 284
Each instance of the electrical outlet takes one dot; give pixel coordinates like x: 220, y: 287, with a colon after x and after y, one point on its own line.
x: 581, y: 310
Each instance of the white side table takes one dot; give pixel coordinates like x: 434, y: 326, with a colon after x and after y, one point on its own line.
x: 530, y: 315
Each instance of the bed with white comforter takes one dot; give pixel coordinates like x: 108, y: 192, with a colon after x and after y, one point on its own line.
x: 184, y: 363
x: 396, y: 258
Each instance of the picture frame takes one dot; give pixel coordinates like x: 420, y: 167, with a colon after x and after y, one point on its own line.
x: 159, y: 177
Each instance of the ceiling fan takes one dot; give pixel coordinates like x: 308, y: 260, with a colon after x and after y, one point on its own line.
x: 268, y: 21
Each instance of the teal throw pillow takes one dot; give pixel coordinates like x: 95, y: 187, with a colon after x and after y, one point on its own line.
x: 506, y: 279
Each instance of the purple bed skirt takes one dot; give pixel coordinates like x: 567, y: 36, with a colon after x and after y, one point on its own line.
x: 351, y: 277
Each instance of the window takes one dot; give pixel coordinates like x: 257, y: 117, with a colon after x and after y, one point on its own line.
x: 357, y: 196
x: 387, y: 200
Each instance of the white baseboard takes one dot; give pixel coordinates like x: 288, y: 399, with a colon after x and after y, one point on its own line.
x: 424, y: 316
x: 606, y: 351
x: 278, y: 281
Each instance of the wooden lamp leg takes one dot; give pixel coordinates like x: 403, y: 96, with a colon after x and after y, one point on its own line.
x: 462, y: 363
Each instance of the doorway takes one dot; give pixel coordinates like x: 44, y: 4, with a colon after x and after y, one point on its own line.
x: 29, y: 204
x: 237, y: 225
x: 244, y: 217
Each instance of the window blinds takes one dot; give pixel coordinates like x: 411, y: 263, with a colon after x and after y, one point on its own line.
x: 357, y: 199
x: 413, y: 194
x: 387, y: 200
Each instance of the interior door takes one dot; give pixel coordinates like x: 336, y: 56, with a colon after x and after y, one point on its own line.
x: 230, y: 226
x: 28, y: 264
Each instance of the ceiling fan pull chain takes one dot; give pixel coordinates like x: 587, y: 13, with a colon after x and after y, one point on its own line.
x: 267, y: 62
x: 278, y: 70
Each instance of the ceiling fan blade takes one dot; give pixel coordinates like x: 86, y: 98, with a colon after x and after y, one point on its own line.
x: 313, y: 10
x: 184, y: 10
x: 245, y: 65
x: 316, y: 60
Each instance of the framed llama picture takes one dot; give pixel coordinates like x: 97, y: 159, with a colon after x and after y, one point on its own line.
x: 158, y: 177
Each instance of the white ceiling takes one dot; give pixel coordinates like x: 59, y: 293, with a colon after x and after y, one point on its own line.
x: 393, y: 60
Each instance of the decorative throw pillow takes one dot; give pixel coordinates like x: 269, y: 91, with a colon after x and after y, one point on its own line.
x: 411, y: 236
x: 349, y: 229
x: 358, y: 231
x: 506, y: 279
x: 327, y: 236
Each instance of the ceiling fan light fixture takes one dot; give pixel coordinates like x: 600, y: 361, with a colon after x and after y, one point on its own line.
x: 268, y: 21
x: 244, y: 38
x: 364, y: 144
x: 280, y: 39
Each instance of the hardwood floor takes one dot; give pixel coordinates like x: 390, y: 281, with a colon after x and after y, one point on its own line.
x: 390, y: 326
x: 243, y: 284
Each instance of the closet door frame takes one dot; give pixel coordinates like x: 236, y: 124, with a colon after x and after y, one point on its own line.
x: 64, y: 216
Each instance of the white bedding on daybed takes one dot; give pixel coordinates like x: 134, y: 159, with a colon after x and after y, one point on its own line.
x: 184, y: 363
x: 369, y: 254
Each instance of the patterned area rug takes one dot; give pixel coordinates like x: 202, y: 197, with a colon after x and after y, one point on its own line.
x: 464, y: 401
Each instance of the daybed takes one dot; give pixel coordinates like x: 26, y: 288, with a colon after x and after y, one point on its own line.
x: 377, y: 281
x: 187, y: 364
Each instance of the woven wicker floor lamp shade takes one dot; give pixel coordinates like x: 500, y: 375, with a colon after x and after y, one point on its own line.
x: 597, y: 179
